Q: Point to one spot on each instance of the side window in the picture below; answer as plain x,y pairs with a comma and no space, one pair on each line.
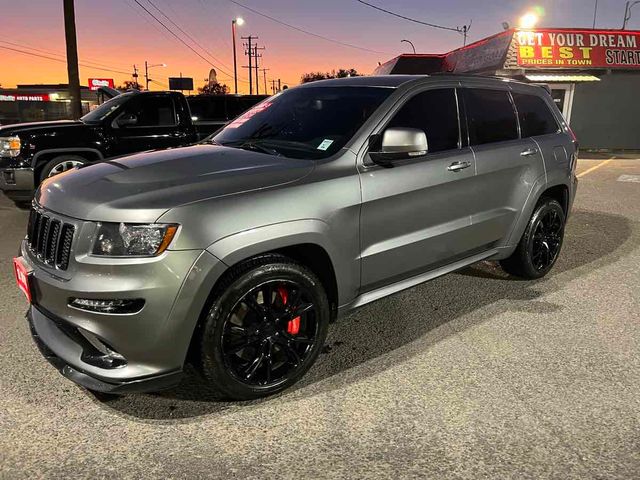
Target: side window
153,110
436,113
490,116
535,116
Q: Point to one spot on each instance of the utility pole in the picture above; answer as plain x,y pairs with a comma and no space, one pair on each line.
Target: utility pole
279,85
72,58
595,14
136,85
256,57
264,73
249,52
146,75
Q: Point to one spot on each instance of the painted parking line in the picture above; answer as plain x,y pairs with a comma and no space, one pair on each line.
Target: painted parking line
595,167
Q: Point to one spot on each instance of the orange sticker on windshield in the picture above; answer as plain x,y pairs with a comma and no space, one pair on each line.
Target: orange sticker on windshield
246,116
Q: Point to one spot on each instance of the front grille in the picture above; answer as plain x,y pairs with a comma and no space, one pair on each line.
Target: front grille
49,239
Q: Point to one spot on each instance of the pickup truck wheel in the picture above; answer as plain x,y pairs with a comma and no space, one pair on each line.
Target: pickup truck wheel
265,328
61,164
540,244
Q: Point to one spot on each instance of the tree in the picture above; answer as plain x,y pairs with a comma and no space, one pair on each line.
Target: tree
341,73
214,89
129,85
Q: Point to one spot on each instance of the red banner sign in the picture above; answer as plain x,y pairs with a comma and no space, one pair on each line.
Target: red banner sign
24,97
563,48
96,83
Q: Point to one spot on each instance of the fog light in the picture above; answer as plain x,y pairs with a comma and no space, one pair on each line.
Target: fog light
115,306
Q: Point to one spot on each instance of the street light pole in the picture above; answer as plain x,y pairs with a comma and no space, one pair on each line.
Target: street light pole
410,43
146,71
235,21
627,12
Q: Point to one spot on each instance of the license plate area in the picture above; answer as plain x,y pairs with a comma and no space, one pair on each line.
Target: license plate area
23,273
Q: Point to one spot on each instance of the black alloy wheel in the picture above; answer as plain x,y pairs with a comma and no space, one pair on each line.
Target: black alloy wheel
540,244
547,239
269,333
267,323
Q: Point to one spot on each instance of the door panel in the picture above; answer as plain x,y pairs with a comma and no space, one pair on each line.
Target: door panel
157,127
506,173
414,216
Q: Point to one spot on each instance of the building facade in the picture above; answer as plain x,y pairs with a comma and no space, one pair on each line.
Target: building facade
34,103
594,75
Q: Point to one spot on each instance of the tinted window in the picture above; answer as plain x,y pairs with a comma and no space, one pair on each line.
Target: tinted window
304,122
436,113
535,116
490,116
152,110
208,108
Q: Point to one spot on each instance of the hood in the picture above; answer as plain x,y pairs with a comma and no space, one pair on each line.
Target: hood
141,187
37,127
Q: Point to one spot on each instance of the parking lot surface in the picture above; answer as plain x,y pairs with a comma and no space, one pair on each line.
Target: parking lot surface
473,375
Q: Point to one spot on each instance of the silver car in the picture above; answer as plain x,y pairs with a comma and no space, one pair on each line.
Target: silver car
236,254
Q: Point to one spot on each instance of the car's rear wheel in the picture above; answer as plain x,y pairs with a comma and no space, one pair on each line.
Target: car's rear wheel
540,244
265,329
61,164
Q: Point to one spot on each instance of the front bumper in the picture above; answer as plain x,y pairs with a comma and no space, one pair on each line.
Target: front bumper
17,183
45,331
154,341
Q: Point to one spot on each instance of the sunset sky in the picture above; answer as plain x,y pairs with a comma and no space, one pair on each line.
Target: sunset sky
118,33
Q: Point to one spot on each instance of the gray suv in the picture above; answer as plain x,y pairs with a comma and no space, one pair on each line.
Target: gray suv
236,254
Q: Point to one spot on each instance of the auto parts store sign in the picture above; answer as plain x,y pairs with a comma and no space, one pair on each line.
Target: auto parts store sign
559,48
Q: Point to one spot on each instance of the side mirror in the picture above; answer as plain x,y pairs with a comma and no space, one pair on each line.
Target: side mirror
397,144
127,120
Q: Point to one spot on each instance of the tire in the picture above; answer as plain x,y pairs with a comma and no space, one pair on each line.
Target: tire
61,163
540,244
249,347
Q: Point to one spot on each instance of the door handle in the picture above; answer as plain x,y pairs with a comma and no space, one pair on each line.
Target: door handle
528,152
457,166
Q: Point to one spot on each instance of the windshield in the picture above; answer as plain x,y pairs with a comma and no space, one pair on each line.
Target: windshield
310,122
100,113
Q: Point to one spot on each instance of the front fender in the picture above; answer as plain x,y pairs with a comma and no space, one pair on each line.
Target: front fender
249,243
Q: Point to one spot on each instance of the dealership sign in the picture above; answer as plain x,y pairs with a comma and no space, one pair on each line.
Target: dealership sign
96,83
562,48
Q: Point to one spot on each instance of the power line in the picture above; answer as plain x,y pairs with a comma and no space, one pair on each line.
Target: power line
186,34
180,39
433,25
63,61
50,52
306,32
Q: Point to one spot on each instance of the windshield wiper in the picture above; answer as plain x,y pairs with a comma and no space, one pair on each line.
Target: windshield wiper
255,146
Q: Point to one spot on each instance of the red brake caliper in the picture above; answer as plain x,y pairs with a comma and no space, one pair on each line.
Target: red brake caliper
293,327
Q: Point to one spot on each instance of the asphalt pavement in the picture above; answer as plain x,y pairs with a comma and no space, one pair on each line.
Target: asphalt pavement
473,375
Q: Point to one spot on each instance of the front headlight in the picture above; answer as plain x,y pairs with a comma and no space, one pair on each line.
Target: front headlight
132,240
10,146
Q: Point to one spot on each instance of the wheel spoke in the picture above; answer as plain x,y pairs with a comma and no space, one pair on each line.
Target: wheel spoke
250,371
269,362
237,348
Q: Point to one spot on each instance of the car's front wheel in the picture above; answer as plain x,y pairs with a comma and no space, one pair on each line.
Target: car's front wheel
61,164
540,244
265,329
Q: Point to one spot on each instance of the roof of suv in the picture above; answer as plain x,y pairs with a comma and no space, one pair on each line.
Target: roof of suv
394,81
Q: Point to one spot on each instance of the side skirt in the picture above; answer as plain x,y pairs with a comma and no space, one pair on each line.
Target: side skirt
387,290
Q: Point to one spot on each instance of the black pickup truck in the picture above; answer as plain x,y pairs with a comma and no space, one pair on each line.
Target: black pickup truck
128,123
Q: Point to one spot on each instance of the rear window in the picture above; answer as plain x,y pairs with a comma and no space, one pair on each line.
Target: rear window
535,116
490,116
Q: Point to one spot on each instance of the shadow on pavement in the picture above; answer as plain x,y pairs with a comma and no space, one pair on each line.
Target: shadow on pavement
388,331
